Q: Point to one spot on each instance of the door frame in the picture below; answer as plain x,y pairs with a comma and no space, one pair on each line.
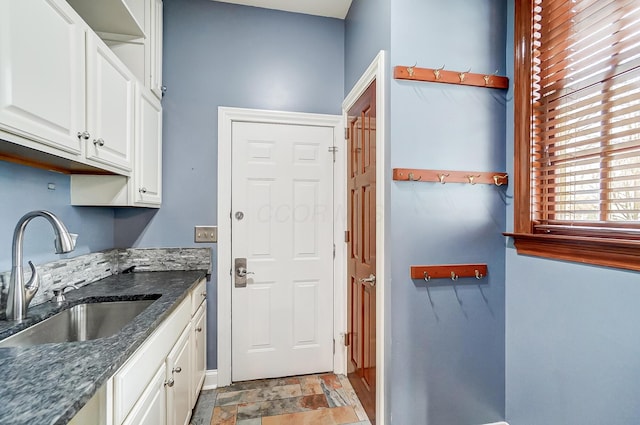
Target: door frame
377,70
226,117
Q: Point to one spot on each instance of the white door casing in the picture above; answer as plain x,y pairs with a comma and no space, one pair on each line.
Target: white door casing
282,209
301,333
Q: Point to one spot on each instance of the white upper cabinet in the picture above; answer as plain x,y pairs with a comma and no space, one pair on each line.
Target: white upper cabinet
110,17
147,188
77,103
110,107
155,42
42,75
143,56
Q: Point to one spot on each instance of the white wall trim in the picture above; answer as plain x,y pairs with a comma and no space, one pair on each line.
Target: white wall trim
226,117
377,71
210,380
497,423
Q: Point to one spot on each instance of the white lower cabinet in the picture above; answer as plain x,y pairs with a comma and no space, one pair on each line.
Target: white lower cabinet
199,343
178,375
152,406
160,382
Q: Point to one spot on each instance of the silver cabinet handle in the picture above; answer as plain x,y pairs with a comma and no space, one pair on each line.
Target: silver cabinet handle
169,383
198,329
84,135
98,142
143,190
177,369
242,272
204,295
371,280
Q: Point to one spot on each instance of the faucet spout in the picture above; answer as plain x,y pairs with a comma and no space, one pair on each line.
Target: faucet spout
21,294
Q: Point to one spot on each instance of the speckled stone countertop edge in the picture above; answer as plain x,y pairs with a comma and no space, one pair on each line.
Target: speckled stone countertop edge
49,384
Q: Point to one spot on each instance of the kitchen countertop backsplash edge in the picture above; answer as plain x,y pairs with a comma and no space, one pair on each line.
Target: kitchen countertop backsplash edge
88,268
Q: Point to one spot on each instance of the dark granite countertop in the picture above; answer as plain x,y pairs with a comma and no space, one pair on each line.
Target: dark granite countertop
49,383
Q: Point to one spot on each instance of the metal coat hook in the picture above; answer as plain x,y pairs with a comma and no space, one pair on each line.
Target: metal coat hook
496,180
427,278
454,276
436,72
441,177
479,275
463,75
472,178
411,69
488,77
412,178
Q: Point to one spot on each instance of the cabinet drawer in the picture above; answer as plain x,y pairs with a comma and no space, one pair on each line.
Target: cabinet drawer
198,295
132,378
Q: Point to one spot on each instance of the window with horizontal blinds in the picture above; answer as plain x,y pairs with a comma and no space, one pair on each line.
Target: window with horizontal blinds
577,108
585,98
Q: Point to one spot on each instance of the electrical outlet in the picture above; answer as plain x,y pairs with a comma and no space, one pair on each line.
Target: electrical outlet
206,234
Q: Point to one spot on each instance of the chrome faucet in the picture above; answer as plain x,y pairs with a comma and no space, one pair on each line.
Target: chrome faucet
21,294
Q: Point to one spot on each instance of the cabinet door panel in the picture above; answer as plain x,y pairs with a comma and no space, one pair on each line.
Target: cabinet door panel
179,369
110,103
199,347
42,77
156,47
152,406
148,171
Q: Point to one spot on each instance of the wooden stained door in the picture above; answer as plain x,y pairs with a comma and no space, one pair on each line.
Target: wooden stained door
362,248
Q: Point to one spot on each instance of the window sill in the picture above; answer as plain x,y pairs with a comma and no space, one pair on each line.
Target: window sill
616,253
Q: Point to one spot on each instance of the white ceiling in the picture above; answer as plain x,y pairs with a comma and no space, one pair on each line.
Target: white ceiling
330,8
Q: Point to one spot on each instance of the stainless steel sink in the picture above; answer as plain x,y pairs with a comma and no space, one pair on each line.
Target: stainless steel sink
82,322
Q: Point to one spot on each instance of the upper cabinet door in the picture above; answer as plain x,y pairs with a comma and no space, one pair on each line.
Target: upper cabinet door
42,74
148,170
110,107
156,47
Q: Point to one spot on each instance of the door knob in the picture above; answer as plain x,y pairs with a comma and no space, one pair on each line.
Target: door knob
371,280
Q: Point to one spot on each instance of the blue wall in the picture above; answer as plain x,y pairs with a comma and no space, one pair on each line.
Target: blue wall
23,189
219,54
572,335
448,353
367,31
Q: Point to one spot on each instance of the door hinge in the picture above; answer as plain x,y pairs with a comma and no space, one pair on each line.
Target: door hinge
346,340
333,150
334,346
346,133
347,236
334,251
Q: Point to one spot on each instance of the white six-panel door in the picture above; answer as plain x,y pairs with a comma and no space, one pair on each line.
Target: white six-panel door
282,223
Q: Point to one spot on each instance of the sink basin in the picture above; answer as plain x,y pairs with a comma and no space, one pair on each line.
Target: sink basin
81,322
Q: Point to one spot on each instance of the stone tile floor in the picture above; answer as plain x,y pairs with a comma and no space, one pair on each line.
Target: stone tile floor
324,399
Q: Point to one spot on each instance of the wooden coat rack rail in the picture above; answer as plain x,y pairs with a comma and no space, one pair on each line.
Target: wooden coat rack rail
441,75
447,176
449,271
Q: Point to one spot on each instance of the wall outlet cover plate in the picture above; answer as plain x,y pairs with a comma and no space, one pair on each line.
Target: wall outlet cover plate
206,234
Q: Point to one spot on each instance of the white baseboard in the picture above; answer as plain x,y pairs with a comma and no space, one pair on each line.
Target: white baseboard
497,423
210,380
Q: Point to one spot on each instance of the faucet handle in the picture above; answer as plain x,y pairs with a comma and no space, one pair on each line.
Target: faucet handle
58,294
32,285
